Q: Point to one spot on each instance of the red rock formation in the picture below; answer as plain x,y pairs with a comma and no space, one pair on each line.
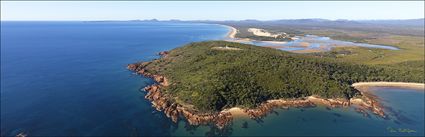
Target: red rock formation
173,110
267,107
163,53
132,67
362,111
372,104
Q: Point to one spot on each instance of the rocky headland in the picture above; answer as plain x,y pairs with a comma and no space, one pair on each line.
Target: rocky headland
175,111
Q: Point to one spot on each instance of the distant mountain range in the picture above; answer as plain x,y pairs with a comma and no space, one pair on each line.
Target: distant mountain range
399,27
314,21
409,22
325,22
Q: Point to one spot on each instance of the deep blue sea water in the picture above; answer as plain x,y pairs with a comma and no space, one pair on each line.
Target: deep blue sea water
70,78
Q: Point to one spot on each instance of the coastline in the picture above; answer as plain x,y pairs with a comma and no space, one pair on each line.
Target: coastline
361,105
390,84
365,104
168,104
231,36
232,33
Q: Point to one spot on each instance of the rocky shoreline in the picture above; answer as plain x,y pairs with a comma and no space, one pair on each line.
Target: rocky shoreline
368,102
371,104
175,111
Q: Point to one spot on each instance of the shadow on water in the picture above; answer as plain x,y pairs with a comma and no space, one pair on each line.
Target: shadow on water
399,116
227,131
212,130
337,114
275,112
259,121
245,124
328,108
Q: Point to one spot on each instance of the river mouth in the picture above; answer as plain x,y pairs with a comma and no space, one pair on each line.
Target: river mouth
311,43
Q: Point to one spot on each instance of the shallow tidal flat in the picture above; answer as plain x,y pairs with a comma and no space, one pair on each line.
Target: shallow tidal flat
312,43
304,44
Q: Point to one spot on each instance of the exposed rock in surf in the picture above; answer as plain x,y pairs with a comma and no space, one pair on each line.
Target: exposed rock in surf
163,53
266,108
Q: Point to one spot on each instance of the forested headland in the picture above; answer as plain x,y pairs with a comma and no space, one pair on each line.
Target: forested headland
212,79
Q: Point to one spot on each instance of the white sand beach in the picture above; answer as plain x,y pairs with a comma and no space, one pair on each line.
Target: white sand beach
236,111
391,84
232,32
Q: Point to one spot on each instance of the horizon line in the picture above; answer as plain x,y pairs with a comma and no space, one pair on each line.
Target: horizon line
221,20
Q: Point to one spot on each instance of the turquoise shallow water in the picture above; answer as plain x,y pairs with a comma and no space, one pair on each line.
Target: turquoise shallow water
405,107
70,78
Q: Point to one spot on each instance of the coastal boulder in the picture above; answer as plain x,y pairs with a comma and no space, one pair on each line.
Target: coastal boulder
132,67
163,53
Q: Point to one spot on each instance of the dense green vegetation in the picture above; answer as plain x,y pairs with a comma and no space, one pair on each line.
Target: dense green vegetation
212,79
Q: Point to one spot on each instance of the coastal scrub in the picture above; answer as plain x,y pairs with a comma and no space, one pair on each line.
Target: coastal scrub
201,79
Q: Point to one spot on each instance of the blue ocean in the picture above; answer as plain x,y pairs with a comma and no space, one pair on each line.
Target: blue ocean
70,79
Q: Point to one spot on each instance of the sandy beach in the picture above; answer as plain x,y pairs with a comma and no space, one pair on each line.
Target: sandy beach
374,106
232,35
240,112
391,84
232,32
282,103
236,111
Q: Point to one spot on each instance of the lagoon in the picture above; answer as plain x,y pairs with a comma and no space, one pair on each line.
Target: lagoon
314,43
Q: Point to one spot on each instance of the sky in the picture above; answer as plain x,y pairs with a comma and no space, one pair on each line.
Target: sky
218,10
